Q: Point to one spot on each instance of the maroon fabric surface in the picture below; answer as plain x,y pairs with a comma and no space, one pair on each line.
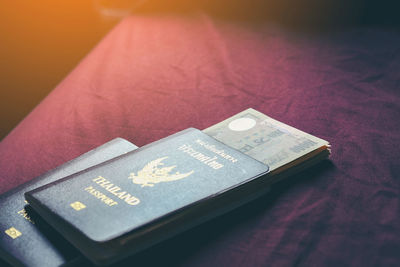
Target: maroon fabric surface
155,75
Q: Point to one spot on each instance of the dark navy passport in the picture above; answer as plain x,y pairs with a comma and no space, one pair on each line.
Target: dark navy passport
138,199
23,241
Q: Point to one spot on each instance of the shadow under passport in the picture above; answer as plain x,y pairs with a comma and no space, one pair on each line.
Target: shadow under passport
175,251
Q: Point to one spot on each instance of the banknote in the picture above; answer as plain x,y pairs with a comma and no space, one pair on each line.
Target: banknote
265,139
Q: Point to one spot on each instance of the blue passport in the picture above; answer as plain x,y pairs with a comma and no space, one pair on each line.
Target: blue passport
133,201
26,242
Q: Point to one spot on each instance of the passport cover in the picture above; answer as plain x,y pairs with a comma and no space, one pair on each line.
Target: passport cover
129,203
22,241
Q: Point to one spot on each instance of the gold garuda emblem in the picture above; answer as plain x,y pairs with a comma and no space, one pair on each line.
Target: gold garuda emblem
152,174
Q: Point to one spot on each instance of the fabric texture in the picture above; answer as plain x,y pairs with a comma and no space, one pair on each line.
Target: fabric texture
155,75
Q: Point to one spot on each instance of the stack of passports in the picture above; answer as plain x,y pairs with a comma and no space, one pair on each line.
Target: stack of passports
133,201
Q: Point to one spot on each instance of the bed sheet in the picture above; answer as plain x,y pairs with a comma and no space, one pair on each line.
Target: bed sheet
152,76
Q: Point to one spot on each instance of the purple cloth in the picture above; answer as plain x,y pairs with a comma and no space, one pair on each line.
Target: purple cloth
155,75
